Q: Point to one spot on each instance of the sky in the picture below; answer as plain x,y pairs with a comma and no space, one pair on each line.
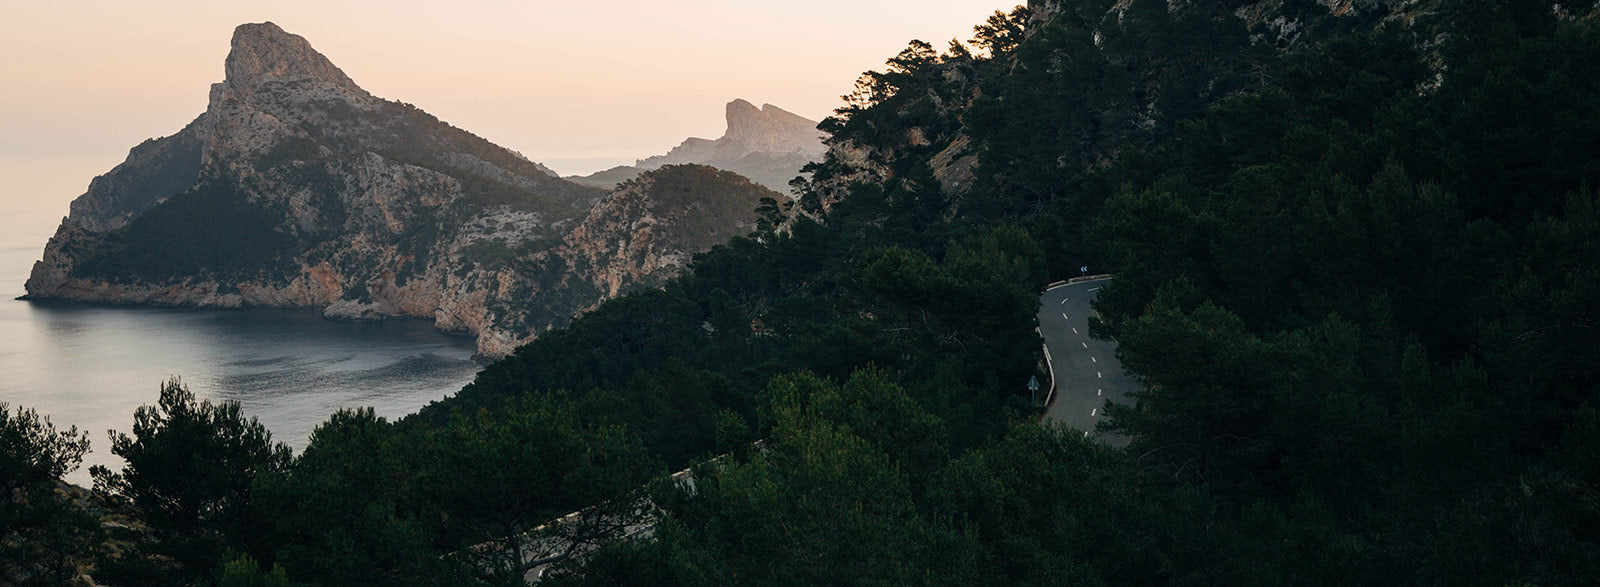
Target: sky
579,86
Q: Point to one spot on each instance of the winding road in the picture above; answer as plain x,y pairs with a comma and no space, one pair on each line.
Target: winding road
1085,369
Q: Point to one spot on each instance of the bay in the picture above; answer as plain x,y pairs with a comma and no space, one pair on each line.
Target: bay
91,366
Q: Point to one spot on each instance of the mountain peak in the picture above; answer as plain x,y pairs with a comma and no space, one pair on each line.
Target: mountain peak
741,113
263,52
794,122
767,144
769,129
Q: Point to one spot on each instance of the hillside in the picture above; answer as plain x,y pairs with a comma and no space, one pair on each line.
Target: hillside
298,189
1354,249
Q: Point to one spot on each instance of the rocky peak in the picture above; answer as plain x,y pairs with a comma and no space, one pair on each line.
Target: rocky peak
769,129
768,145
744,120
791,121
263,53
298,189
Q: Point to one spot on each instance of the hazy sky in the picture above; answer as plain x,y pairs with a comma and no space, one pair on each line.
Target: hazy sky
576,85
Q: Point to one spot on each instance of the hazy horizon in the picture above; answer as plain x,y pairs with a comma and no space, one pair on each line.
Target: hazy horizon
578,88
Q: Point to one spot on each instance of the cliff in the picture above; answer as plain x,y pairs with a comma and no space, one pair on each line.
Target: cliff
298,189
647,230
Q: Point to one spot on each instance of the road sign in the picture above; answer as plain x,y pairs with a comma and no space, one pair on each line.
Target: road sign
1033,383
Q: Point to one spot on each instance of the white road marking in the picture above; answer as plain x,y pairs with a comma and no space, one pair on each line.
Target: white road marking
1099,391
1085,433
1074,331
1085,344
1092,360
1098,375
1094,412
1064,317
1063,300
1094,289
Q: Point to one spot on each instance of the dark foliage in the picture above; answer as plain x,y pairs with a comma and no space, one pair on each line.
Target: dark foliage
46,536
210,231
1355,274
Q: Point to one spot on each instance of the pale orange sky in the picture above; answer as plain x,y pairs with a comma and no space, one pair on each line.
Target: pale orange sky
579,86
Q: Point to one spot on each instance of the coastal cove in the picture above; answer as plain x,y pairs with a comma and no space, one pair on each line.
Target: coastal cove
91,366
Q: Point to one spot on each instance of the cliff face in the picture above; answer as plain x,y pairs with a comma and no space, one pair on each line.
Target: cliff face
768,145
766,130
298,189
647,230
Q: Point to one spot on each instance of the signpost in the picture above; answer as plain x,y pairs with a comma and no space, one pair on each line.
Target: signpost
1033,387
1084,270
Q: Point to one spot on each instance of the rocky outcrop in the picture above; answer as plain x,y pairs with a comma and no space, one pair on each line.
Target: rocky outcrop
766,130
298,189
954,165
646,231
639,235
768,145
155,169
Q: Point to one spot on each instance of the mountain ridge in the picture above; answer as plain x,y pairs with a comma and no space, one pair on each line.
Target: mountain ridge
298,189
767,144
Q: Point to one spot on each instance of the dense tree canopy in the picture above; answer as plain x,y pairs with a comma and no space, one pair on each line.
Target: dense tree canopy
1355,275
44,535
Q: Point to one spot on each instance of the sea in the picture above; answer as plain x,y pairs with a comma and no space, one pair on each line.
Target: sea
91,366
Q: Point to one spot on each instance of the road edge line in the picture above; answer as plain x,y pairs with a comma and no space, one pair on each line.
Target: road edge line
1049,397
1077,280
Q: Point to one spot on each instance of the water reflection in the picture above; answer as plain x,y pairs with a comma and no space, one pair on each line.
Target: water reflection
91,366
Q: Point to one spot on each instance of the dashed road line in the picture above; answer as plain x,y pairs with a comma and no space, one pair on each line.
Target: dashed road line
1085,344
1094,412
1092,360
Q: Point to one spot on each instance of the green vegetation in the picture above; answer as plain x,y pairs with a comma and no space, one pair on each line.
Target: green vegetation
489,254
704,202
45,537
212,231
420,137
188,475
1356,275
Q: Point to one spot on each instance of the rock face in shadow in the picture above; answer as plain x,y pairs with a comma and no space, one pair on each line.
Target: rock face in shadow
646,231
298,189
768,145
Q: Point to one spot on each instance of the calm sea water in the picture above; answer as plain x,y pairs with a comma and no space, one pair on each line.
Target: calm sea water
91,366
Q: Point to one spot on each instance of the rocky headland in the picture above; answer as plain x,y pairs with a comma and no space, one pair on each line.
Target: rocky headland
298,189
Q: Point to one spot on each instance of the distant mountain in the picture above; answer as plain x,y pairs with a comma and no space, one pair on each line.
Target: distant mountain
298,189
768,145
607,179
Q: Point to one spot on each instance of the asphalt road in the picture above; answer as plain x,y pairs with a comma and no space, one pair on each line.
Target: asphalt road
1086,370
